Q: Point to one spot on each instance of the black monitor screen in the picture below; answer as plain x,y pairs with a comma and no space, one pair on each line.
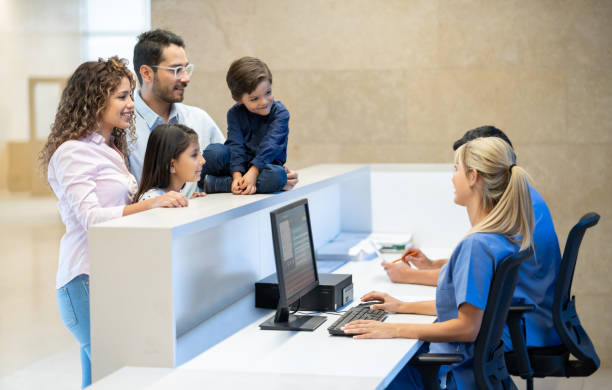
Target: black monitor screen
293,249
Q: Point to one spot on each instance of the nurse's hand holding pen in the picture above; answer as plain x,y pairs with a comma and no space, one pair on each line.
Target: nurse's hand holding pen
417,258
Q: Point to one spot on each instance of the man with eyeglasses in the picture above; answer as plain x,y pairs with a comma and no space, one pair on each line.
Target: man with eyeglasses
163,71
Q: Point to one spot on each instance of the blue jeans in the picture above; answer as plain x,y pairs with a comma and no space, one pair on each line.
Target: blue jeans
271,178
73,303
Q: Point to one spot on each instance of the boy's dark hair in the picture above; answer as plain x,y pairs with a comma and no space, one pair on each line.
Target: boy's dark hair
479,132
245,74
151,44
166,142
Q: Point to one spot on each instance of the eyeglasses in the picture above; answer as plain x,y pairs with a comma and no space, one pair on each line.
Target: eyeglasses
179,71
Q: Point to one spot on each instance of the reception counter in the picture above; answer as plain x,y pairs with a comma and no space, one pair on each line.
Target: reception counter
168,284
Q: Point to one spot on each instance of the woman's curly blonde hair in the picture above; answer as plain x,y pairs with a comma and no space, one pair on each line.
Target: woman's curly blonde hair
83,103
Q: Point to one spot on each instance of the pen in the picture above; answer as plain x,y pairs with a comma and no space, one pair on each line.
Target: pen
401,258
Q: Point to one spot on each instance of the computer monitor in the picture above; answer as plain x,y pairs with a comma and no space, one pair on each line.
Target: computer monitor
296,268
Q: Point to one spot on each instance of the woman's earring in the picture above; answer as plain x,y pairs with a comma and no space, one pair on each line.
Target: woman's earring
172,170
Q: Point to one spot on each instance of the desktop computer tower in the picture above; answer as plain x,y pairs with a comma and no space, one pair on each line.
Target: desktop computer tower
333,292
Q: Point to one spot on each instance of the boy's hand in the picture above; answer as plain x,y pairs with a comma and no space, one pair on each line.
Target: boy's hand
292,179
237,183
249,190
249,181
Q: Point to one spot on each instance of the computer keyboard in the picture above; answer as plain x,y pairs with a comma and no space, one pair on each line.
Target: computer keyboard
353,314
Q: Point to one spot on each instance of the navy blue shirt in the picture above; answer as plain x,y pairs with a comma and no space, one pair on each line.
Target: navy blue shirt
255,139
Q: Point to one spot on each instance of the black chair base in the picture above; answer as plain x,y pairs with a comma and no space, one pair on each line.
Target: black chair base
555,361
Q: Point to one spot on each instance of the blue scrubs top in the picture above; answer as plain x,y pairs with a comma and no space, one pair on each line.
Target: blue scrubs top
467,278
537,277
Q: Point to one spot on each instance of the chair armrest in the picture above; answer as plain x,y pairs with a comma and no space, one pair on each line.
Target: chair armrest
520,364
428,365
437,359
520,309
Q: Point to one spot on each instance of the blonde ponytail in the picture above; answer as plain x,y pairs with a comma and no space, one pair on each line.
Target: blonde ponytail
505,191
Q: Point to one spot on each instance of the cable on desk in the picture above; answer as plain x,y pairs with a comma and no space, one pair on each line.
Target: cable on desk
297,306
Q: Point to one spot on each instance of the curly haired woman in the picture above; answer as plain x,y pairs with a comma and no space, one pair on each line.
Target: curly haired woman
84,160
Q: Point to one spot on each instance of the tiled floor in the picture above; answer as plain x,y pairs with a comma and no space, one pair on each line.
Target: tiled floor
36,351
35,346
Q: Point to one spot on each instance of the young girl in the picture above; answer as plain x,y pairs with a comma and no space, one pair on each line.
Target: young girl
172,158
84,161
496,194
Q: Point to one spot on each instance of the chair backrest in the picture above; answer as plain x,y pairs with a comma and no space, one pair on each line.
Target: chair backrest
565,317
489,364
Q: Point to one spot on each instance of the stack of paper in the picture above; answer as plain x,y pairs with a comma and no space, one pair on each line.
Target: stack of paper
391,242
363,246
348,246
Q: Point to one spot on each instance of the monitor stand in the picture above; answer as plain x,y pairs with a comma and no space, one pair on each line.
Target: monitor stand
282,320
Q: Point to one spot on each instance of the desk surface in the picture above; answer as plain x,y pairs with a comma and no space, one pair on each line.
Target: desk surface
252,350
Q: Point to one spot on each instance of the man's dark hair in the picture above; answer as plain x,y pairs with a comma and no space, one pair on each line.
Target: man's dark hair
479,132
151,44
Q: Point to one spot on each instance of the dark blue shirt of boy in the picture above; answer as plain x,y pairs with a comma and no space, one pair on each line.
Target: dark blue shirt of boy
255,139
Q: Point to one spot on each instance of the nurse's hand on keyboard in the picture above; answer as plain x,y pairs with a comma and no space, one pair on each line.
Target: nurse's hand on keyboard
388,302
368,329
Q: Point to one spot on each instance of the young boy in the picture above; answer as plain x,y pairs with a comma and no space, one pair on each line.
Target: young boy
252,158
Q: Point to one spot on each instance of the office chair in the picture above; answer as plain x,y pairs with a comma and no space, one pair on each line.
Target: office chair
489,366
555,361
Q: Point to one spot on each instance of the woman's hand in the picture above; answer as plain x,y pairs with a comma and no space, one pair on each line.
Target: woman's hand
419,259
388,302
170,199
400,272
368,329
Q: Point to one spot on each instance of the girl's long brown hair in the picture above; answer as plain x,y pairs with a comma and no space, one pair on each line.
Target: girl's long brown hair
82,104
166,143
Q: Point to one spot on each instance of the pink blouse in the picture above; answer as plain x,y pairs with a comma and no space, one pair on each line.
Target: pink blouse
92,185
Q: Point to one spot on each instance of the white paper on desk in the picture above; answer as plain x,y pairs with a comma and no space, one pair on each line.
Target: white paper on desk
348,246
391,238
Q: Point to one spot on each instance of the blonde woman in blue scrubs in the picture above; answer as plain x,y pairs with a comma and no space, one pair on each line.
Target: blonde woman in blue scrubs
495,192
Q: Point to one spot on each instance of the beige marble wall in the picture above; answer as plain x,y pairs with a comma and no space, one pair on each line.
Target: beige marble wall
399,81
